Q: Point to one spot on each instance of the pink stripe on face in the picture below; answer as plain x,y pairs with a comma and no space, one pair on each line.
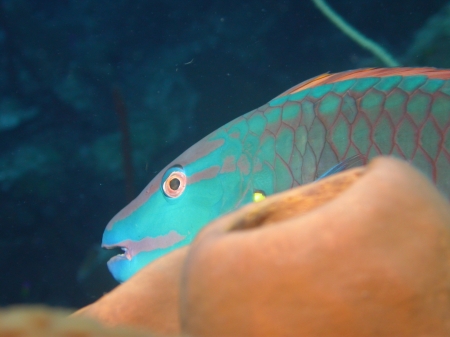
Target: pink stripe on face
195,152
199,150
229,165
147,244
209,173
244,164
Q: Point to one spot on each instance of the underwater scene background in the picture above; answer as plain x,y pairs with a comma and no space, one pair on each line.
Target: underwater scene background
75,75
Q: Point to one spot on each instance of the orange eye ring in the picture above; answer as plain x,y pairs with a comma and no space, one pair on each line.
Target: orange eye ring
175,184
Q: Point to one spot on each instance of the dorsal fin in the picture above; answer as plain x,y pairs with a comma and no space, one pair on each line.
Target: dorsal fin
327,78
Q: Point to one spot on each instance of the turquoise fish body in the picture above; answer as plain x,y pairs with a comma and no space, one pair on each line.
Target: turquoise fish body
290,141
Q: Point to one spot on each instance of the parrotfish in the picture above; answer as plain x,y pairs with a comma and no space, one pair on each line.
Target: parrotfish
309,131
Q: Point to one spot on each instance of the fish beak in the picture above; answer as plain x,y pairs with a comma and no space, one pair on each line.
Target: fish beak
126,252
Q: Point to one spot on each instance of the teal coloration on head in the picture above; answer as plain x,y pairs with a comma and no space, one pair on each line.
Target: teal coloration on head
159,221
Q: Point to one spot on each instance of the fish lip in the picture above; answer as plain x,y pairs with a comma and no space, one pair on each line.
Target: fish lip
131,248
127,253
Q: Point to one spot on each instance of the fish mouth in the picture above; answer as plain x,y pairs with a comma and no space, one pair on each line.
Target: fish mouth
125,255
127,249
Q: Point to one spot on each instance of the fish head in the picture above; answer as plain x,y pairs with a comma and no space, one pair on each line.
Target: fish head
169,212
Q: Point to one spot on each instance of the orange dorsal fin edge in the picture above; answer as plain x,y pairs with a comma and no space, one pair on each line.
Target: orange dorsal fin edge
327,78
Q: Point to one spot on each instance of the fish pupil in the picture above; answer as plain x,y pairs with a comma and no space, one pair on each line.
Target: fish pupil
174,184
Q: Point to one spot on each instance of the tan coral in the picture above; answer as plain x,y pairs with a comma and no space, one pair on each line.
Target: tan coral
148,300
39,321
363,253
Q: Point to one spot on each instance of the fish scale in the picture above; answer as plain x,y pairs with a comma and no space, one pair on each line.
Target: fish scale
311,130
407,116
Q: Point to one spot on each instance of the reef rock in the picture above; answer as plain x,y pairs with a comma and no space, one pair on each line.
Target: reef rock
39,321
148,300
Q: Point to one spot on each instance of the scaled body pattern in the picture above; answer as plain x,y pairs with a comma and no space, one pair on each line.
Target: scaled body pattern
290,141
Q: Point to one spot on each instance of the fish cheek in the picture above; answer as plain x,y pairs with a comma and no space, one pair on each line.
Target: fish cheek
204,199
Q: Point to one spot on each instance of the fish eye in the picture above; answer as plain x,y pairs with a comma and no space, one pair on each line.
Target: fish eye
174,182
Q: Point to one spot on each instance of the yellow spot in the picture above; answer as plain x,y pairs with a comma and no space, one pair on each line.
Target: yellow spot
258,196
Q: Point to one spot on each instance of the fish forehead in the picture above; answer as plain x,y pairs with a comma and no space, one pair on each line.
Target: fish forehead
194,154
